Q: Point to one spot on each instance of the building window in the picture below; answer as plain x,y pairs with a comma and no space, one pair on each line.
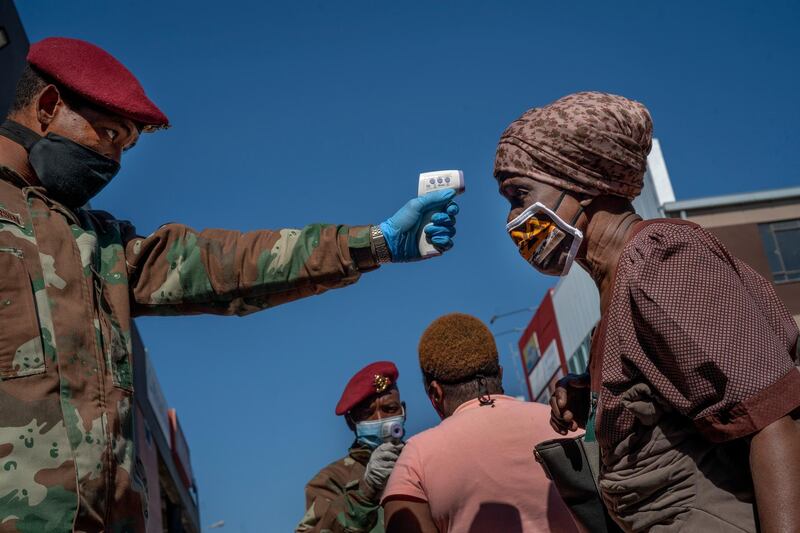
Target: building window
782,244
579,359
544,397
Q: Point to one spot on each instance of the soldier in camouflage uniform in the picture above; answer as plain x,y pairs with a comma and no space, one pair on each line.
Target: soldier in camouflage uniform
71,280
344,497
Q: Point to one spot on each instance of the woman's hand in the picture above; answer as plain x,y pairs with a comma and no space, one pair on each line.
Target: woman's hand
569,404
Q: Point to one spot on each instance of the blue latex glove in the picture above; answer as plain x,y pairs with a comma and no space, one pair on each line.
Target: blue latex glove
401,230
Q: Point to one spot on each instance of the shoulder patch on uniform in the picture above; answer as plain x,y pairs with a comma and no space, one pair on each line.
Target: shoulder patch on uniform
8,216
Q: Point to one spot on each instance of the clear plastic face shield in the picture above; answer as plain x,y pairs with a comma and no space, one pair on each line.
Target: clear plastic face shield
546,241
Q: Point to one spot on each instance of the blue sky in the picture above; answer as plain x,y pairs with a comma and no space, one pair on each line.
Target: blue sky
285,114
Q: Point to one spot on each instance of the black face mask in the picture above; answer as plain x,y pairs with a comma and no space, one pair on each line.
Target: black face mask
70,172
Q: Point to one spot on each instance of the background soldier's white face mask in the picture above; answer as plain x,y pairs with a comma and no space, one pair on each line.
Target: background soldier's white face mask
373,433
545,240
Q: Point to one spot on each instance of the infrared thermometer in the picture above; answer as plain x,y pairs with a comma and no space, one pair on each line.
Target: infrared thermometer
433,181
392,432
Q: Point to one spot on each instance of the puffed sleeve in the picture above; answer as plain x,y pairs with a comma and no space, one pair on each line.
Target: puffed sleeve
716,351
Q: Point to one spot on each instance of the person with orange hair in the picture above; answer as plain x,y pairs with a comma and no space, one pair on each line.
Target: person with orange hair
474,471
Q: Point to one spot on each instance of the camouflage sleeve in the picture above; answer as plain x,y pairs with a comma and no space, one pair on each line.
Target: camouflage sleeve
178,270
336,508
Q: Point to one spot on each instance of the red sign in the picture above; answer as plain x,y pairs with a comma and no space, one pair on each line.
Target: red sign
541,351
180,449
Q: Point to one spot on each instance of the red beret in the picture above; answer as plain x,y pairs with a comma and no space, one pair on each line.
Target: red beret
371,380
95,75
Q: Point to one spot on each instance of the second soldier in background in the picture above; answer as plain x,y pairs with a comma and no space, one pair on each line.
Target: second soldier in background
345,495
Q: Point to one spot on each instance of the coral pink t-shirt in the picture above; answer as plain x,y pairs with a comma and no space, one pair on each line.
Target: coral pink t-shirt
477,472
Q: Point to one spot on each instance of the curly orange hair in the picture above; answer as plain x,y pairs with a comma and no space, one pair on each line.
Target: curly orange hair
457,347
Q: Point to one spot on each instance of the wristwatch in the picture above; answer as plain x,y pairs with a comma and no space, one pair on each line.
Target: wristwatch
379,248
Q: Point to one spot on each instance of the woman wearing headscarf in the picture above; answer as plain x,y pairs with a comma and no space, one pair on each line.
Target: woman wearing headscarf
693,389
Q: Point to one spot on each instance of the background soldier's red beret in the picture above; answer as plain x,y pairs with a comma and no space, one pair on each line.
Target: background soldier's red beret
95,75
371,380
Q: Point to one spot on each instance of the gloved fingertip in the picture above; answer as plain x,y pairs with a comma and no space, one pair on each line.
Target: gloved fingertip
449,193
443,231
435,229
453,209
437,197
442,219
442,242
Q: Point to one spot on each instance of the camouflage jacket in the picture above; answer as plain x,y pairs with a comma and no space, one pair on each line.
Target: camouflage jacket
334,503
70,282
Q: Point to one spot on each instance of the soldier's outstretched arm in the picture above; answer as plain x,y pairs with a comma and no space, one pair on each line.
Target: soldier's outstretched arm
178,270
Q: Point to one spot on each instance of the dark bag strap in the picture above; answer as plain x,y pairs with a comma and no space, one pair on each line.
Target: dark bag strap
19,134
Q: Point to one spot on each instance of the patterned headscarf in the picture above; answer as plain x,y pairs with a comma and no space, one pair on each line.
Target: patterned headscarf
590,143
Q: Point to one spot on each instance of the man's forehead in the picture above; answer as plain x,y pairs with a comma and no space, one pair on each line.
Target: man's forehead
95,114
392,393
125,122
